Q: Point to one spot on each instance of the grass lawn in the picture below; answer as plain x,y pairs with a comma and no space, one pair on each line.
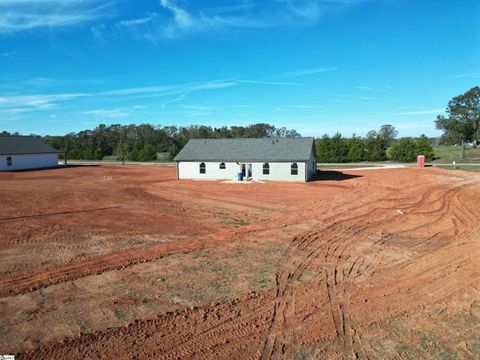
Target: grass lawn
161,157
448,154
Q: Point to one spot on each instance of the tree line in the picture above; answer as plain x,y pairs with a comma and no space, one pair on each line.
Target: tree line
376,146
143,142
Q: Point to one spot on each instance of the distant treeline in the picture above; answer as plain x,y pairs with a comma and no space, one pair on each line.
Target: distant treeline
376,146
143,142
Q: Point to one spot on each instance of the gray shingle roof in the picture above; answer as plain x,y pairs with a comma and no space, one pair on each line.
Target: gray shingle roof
24,145
268,149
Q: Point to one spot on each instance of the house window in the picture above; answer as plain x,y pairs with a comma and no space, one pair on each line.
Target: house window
9,161
294,169
222,165
266,169
202,168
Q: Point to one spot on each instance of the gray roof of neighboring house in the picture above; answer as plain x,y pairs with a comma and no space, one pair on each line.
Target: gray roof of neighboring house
265,149
11,145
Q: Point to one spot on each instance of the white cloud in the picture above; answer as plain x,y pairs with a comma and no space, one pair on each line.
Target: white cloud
49,101
22,15
364,88
201,108
15,110
8,53
109,114
421,112
261,82
38,101
181,17
40,81
175,18
352,97
165,90
303,72
465,75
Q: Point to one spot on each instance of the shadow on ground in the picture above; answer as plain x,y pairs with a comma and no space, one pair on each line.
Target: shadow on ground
331,175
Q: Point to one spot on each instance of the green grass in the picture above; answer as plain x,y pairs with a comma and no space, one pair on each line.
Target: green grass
448,154
475,346
163,156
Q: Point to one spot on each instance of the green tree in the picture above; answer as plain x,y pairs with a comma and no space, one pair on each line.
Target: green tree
147,153
97,154
388,133
375,147
462,122
356,149
238,132
260,130
404,150
423,147
122,151
323,149
338,149
173,151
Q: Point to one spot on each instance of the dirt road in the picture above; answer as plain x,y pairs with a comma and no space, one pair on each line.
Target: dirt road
127,262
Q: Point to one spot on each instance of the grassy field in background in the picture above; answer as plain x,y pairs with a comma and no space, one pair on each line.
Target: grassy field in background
448,154
161,157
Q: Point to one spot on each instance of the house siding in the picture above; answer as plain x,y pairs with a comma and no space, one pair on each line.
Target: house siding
191,170
28,161
279,171
311,166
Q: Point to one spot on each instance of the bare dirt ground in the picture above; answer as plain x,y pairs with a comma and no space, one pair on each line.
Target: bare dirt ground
127,262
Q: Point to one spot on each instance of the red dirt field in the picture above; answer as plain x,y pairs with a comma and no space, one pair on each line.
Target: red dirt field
127,262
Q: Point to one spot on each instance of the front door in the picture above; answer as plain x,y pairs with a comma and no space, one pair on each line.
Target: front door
249,170
244,172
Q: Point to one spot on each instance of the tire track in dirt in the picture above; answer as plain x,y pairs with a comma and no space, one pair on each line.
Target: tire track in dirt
326,247
36,216
346,329
22,282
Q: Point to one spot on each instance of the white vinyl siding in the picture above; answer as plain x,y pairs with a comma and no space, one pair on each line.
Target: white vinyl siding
311,166
191,170
279,171
28,161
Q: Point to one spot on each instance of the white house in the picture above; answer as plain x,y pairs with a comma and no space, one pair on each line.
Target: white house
26,152
281,159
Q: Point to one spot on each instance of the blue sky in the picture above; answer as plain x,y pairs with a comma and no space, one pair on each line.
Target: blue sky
318,66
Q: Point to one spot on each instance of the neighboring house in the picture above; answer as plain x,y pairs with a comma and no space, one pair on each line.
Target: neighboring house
26,152
281,159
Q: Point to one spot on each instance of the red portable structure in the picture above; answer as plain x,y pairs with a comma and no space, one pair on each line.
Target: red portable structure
421,161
